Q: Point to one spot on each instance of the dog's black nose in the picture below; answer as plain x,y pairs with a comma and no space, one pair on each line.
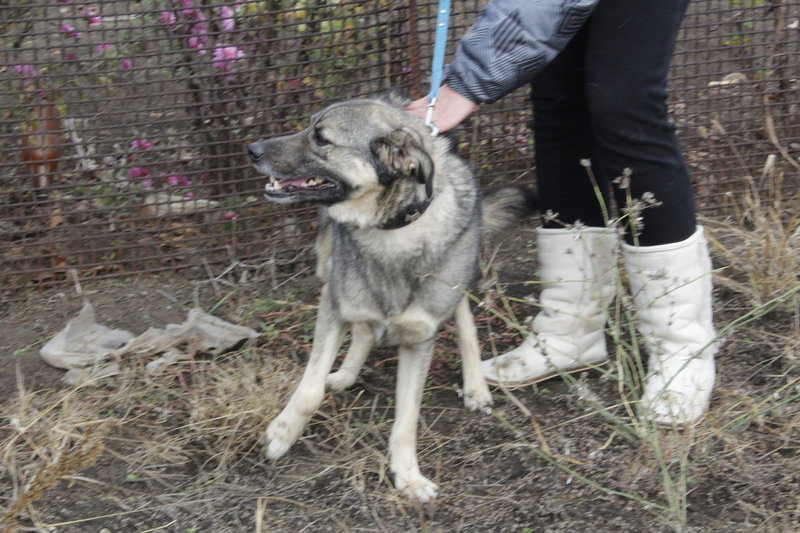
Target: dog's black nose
255,152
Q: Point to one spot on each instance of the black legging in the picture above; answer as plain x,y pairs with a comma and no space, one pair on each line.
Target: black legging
603,98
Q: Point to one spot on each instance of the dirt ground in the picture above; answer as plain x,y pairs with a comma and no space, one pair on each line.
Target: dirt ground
560,457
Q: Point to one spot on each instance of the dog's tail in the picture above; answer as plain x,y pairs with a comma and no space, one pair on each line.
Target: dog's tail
507,205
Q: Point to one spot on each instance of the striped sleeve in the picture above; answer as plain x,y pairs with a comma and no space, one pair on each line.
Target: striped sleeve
510,42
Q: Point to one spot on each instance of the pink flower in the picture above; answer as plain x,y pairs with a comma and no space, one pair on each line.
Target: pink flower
178,181
225,57
69,30
100,48
227,14
91,16
168,17
138,172
199,44
141,144
147,183
26,71
197,15
126,64
191,195
198,30
230,216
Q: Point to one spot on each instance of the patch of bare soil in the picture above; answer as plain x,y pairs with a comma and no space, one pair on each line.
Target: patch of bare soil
181,450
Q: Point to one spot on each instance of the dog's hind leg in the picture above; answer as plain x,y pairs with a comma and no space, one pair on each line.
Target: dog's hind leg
476,391
361,341
412,371
287,426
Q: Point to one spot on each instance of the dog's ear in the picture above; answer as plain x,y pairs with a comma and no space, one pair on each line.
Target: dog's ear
402,155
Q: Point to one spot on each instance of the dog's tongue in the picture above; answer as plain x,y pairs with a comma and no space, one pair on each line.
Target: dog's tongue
299,182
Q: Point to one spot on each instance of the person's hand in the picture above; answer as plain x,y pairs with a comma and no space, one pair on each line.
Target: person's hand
451,108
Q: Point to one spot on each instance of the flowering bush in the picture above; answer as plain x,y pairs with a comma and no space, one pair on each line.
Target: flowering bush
222,63
157,99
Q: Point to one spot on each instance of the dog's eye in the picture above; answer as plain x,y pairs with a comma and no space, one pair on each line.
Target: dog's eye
319,139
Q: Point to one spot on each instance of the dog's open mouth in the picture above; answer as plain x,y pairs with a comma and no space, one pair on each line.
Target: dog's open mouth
302,189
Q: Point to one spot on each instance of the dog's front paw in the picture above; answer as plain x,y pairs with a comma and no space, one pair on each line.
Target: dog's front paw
478,399
280,436
416,487
340,380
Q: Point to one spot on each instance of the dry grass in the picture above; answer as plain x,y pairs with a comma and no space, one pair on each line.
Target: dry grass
47,446
760,249
190,439
181,451
216,409
762,243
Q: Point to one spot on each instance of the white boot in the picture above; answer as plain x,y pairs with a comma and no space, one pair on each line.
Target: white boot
671,287
578,274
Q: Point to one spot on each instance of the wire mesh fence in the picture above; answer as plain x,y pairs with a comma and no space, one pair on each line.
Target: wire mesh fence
124,122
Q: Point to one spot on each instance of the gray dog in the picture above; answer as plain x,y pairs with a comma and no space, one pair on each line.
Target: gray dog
399,236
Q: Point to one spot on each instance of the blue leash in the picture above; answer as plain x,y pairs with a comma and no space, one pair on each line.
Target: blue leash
437,70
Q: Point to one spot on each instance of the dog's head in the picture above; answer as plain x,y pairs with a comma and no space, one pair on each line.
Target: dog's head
352,151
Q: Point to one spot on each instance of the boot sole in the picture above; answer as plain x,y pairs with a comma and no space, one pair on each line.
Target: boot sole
519,384
552,375
679,427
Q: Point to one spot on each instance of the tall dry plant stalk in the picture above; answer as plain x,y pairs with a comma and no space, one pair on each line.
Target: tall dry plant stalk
73,456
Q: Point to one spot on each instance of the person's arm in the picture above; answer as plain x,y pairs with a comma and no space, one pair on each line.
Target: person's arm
509,43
